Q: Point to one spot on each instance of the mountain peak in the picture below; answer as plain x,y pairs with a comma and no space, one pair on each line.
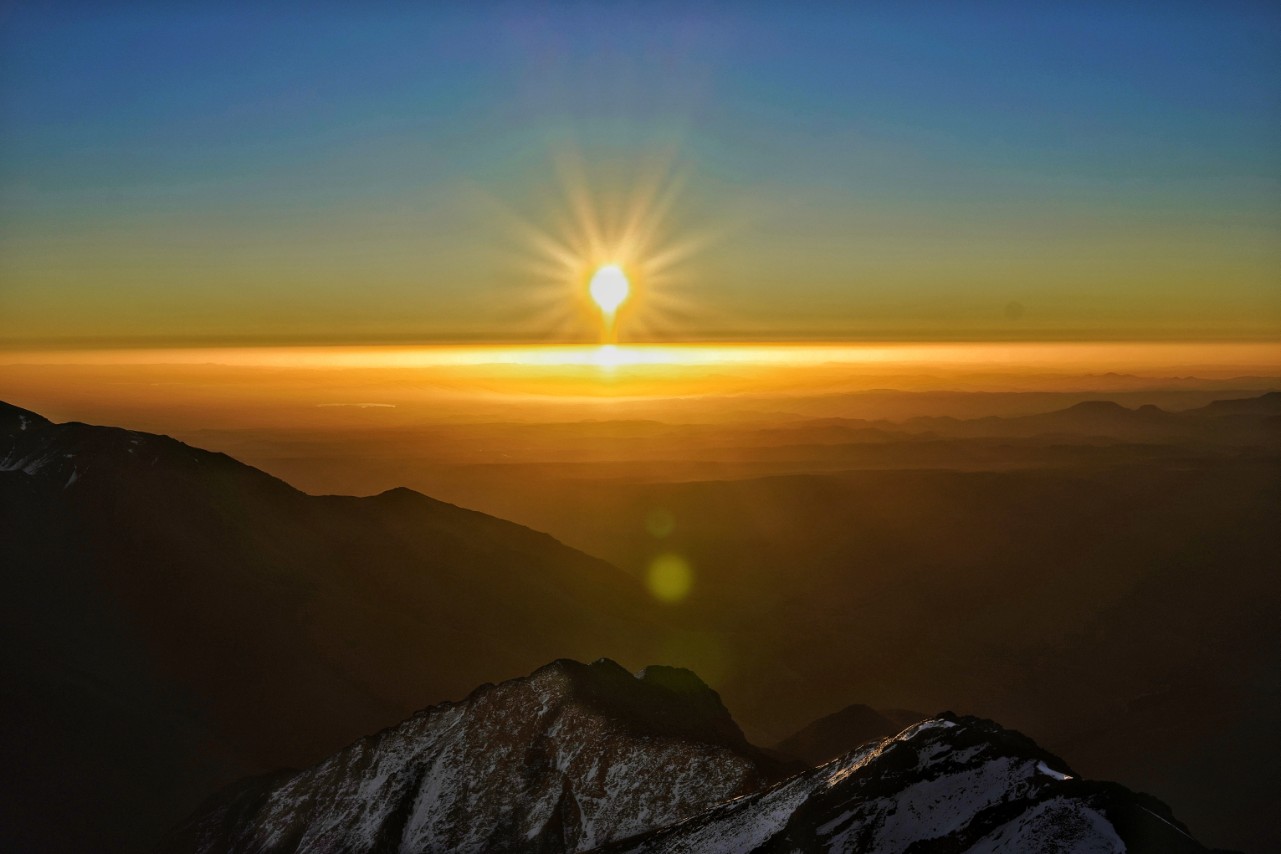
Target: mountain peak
678,680
1097,406
565,759
73,453
840,732
949,783
527,765
657,701
16,419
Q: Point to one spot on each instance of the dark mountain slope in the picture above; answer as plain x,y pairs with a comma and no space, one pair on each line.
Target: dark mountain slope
173,618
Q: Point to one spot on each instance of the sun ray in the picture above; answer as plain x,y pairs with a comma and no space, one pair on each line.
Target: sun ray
597,213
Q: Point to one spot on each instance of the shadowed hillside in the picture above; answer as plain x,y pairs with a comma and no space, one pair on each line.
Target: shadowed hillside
174,618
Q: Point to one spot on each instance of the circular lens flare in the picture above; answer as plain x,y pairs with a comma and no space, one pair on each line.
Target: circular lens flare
669,578
609,288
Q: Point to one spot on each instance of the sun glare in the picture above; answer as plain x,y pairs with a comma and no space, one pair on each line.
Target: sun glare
607,246
609,288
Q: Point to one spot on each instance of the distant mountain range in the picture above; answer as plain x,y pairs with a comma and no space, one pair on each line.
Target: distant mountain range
1246,421
579,758
1253,420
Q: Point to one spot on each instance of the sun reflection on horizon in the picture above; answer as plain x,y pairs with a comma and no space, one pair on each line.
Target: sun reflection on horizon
1010,357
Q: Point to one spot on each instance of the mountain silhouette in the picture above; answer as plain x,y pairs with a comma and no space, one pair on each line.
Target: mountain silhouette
174,619
840,732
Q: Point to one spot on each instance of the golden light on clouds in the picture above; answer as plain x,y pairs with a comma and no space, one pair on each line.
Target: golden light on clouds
1212,358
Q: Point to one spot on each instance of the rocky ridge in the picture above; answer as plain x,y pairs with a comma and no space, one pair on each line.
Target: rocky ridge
567,759
578,758
947,784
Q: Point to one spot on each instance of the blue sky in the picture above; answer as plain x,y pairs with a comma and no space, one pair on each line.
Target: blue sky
867,170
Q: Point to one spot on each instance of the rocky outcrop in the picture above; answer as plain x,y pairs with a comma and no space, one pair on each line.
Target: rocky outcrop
581,758
567,759
948,784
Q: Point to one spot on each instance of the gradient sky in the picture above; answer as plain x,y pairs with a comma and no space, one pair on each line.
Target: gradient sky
221,172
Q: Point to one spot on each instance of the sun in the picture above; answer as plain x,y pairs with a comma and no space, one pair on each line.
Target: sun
609,248
609,288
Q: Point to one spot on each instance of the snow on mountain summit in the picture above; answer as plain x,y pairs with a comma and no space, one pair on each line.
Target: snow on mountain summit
566,759
577,758
64,454
947,784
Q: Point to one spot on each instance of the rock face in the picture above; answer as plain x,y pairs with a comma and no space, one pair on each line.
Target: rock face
590,758
567,759
945,785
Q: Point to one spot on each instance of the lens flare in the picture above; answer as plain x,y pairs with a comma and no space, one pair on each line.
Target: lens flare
669,578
